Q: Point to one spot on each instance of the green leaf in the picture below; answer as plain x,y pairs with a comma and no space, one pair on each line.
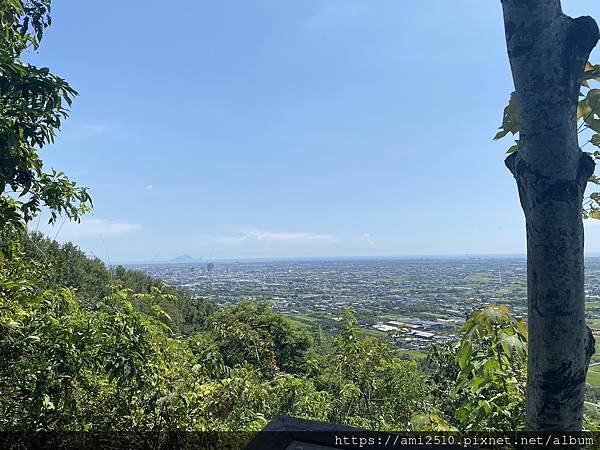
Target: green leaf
47,403
476,383
486,406
510,122
464,354
594,179
495,314
513,148
583,109
512,344
522,328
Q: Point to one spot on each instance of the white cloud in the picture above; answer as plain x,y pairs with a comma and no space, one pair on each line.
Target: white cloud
366,237
91,227
274,237
149,187
95,127
282,236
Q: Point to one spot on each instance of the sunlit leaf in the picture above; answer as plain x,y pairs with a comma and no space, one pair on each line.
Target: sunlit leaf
510,123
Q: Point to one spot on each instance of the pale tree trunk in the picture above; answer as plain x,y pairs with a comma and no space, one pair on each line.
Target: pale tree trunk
548,51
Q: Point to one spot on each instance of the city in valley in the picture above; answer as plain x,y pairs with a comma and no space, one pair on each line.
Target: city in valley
412,302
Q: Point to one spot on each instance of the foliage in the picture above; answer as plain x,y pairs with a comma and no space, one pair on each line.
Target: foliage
252,333
64,366
65,265
429,422
588,117
68,266
33,103
371,385
443,370
246,401
61,363
492,360
111,365
119,363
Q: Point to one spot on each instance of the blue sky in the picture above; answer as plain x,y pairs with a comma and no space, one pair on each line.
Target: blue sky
263,128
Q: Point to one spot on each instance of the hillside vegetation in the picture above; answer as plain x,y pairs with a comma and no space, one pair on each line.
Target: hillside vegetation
83,347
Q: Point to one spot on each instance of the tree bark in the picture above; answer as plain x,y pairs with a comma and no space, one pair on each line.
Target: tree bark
547,52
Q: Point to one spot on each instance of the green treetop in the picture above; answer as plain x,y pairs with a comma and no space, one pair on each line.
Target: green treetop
33,103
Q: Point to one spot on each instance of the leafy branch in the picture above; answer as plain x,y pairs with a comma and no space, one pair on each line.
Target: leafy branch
588,117
33,104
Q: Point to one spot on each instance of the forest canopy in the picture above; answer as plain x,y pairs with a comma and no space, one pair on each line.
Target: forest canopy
94,348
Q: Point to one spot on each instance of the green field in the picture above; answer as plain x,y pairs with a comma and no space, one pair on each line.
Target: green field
593,376
387,317
596,356
372,332
479,278
414,354
399,278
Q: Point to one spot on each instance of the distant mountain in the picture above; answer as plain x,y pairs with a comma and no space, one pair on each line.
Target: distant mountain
184,259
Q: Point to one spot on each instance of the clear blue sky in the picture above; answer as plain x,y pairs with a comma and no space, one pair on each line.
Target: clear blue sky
270,128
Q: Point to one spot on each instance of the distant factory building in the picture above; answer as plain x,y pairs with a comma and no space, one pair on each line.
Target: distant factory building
423,334
384,328
447,321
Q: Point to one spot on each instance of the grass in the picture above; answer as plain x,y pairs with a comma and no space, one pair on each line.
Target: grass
304,321
399,278
303,318
300,323
387,317
596,356
414,354
593,376
372,332
479,278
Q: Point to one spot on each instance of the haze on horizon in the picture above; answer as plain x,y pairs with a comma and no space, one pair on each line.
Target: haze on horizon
287,129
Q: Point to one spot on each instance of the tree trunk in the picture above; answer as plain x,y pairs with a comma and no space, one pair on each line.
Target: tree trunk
548,51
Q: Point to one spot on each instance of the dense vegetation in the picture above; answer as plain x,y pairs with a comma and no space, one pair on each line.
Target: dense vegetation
83,347
67,266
